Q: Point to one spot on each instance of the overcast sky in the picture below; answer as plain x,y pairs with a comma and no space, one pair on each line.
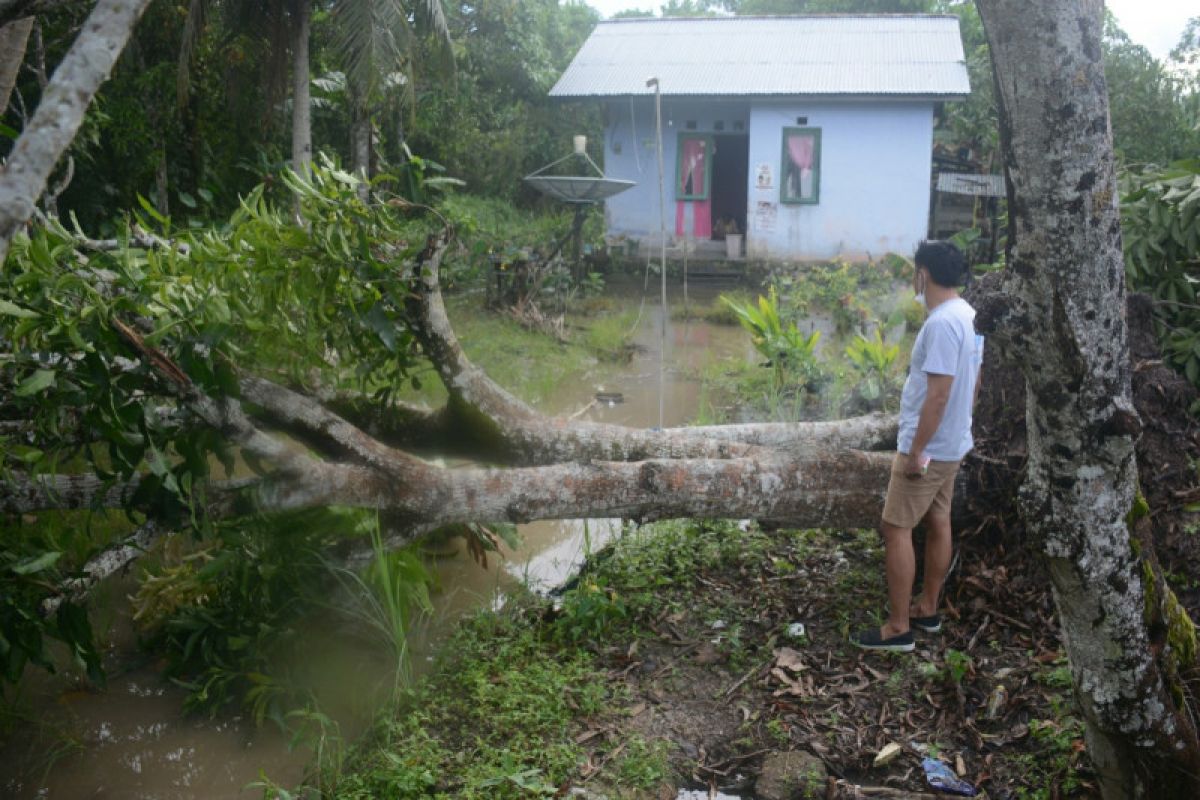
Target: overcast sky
1156,24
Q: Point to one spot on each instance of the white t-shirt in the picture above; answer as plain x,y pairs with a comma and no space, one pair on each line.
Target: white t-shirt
946,345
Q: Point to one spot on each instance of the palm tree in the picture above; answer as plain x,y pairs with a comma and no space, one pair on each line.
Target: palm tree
377,40
284,26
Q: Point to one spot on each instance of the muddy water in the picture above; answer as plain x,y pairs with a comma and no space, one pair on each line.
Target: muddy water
131,741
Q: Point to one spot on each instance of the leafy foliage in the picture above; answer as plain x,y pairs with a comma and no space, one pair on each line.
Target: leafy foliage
790,352
263,294
875,364
494,720
226,623
1160,218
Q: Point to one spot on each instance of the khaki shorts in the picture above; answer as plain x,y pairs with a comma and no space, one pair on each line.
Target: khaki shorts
909,499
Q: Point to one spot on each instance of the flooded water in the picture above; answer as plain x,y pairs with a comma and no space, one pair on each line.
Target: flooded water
132,741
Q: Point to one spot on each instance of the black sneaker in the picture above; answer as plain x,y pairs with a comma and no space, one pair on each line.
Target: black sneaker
870,639
932,624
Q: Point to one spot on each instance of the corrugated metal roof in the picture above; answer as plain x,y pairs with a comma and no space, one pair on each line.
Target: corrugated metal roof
968,183
810,55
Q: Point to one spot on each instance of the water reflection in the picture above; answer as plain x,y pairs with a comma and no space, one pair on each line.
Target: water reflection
131,741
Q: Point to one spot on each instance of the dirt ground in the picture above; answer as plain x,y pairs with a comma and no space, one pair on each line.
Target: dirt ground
717,674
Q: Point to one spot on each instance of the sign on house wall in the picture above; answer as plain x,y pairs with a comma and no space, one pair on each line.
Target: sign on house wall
763,178
765,214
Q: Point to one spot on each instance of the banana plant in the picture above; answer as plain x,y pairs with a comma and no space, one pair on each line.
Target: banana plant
874,361
785,347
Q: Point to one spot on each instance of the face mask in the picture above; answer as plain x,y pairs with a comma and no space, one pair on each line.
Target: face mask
920,298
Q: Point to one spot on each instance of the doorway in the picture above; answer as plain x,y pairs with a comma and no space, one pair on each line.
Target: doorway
730,174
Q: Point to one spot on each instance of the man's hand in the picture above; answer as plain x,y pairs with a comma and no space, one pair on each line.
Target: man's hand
915,464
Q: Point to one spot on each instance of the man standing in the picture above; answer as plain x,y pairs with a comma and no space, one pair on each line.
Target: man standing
935,434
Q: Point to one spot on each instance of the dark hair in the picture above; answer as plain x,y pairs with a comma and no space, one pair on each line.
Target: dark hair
945,263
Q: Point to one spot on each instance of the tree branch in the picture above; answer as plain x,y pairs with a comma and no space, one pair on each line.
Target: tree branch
299,410
843,490
21,493
60,113
106,563
518,433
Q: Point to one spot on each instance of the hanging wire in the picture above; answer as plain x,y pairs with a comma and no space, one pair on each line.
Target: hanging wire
637,156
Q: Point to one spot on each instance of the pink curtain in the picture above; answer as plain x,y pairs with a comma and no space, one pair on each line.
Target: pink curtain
800,149
701,218
692,169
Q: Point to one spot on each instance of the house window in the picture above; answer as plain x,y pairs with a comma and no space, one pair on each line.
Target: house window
800,176
693,168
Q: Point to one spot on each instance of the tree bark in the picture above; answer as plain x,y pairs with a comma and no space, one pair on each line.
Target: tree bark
301,100
1062,314
13,39
60,113
162,197
360,144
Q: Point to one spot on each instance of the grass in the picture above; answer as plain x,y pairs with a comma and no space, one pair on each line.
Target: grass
610,336
717,311
529,364
496,719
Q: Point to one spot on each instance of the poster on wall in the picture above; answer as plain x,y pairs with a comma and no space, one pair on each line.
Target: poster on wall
763,177
764,216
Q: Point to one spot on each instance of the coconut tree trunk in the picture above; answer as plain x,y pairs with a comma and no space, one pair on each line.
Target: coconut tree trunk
1062,312
301,101
360,140
13,38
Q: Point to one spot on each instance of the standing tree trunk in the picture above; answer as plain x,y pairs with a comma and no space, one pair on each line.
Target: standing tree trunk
60,112
1062,312
13,38
360,144
162,197
301,101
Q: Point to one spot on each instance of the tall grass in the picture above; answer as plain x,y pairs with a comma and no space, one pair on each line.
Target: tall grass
386,598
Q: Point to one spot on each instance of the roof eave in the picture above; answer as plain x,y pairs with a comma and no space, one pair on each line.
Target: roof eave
922,96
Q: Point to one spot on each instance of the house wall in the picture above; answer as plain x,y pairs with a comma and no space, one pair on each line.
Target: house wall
629,154
876,163
875,167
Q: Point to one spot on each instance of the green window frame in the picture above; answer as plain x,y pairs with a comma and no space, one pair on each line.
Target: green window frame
709,149
790,174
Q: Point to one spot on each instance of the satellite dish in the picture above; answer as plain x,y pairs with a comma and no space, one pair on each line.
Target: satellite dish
580,189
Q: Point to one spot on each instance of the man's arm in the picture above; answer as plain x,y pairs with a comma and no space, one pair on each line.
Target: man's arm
936,396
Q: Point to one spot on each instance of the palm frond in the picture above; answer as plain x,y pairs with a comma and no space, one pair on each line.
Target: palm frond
431,19
373,38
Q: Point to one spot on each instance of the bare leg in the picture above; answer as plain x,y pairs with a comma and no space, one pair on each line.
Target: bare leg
937,562
901,567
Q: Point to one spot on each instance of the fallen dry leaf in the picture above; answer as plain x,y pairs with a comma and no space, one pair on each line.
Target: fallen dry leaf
789,659
887,754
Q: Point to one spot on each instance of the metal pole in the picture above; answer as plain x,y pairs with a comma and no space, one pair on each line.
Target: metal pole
662,241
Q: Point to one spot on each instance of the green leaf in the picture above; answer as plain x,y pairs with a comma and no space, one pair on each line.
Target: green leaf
28,455
38,381
149,208
37,563
14,310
